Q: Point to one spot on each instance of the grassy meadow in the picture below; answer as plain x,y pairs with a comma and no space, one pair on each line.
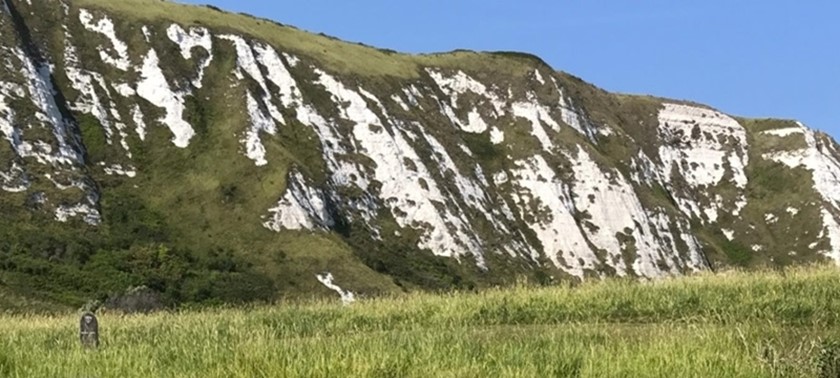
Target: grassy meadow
775,323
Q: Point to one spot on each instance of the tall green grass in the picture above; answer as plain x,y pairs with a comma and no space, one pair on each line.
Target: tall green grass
732,325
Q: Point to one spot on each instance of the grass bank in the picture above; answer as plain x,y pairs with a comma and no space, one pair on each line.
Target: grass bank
779,323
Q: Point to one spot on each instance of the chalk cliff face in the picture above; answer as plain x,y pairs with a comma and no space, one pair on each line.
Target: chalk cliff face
139,126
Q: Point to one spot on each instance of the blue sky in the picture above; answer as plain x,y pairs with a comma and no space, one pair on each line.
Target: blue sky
746,57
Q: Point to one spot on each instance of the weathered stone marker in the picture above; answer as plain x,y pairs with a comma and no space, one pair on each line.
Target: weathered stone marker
89,330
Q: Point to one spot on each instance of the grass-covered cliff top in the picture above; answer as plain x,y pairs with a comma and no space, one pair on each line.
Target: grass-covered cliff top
332,53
